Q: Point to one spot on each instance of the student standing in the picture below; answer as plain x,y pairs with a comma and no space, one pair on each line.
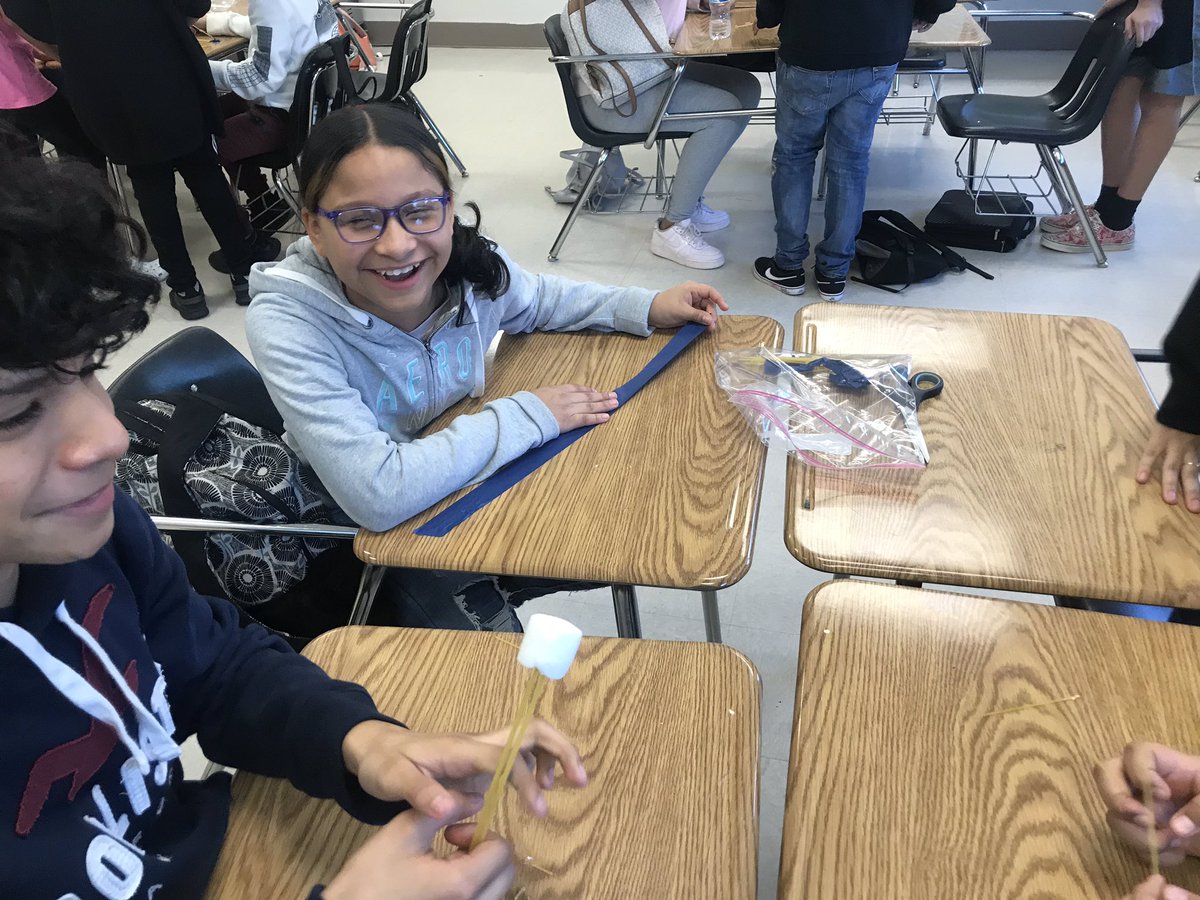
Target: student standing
836,63
1139,124
141,88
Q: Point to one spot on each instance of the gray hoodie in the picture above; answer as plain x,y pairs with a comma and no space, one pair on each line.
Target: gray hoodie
356,392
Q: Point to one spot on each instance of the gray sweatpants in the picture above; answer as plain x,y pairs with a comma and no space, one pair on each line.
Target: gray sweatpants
704,88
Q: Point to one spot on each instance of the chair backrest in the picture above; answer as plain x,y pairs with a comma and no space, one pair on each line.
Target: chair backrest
410,52
1083,92
557,42
197,359
317,93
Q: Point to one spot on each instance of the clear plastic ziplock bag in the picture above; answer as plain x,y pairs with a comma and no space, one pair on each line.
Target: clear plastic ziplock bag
845,412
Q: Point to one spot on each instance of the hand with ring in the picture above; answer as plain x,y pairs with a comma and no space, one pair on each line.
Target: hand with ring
1177,453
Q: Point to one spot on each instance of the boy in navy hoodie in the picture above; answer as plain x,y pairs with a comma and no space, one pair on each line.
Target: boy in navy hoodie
108,659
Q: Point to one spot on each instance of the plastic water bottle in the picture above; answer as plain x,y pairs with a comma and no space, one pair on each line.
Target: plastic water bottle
720,19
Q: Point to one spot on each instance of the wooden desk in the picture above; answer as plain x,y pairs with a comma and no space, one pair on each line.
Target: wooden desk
899,786
1029,487
955,29
668,731
664,494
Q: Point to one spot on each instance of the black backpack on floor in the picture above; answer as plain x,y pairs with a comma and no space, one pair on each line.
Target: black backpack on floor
1006,220
892,250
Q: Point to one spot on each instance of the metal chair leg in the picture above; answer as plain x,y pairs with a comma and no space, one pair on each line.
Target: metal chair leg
1060,191
712,616
118,186
823,178
584,193
1060,163
629,624
935,84
368,586
441,138
660,170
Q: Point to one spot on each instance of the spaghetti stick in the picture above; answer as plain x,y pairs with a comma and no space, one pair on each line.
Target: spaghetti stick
1151,827
547,651
1010,709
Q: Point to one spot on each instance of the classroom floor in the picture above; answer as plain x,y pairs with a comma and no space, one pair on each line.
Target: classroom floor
503,112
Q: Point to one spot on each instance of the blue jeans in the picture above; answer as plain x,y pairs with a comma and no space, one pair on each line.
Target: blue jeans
838,110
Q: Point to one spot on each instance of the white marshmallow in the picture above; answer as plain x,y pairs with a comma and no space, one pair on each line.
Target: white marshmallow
549,645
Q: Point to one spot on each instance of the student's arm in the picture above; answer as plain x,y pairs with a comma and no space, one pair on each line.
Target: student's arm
265,69
929,10
193,9
1181,407
376,481
549,303
769,13
253,702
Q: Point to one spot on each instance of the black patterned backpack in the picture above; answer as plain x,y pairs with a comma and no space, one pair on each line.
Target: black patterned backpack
193,456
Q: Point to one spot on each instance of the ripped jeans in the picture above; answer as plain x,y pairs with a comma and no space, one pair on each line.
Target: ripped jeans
464,601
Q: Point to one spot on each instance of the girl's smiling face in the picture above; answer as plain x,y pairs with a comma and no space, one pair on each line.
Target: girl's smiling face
392,277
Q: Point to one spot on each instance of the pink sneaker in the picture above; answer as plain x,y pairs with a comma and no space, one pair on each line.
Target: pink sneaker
1073,240
1065,222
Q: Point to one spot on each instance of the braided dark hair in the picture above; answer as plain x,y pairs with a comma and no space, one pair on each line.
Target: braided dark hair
68,288
473,257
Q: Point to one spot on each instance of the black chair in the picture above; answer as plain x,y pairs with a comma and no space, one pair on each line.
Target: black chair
317,95
1068,113
407,64
199,360
607,141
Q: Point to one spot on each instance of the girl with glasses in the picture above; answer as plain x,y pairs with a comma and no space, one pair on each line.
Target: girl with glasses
378,321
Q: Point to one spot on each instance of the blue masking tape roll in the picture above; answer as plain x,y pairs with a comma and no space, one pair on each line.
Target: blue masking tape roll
487,491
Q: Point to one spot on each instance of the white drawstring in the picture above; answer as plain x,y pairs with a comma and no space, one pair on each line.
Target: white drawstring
156,744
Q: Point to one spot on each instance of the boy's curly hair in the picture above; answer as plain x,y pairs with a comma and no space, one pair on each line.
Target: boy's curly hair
68,288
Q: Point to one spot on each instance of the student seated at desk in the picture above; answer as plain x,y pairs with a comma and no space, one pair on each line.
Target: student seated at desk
259,91
679,234
109,659
1174,778
378,322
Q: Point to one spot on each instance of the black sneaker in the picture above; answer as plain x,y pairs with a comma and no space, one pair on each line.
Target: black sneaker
189,302
831,289
241,289
266,249
788,281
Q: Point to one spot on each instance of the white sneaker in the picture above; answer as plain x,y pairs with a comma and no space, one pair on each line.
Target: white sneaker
707,219
150,267
683,244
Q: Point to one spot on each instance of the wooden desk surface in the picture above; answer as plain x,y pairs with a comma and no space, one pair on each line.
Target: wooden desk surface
1033,446
953,30
899,786
668,731
664,494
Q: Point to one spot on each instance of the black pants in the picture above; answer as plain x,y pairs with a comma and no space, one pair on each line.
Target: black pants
154,187
53,121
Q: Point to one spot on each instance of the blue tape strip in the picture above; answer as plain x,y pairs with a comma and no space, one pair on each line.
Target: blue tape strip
487,491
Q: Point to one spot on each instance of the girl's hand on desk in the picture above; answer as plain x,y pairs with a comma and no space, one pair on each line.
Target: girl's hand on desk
398,861
575,406
1179,454
1174,778
687,302
1156,888
393,763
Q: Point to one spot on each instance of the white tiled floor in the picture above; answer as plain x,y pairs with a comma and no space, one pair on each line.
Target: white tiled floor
503,112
